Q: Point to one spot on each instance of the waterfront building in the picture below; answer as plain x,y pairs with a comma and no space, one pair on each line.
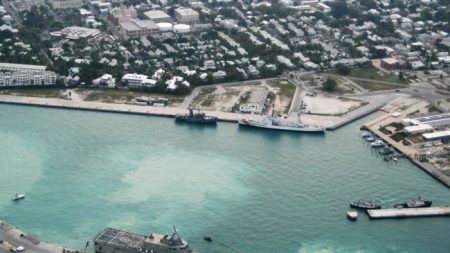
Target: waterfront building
186,15
438,120
14,67
256,101
66,4
12,79
443,136
138,81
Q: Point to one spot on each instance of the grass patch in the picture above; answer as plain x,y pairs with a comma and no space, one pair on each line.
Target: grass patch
36,92
287,89
116,95
374,86
372,73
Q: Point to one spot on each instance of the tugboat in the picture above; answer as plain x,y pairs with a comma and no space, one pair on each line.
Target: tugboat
415,203
18,196
196,118
365,205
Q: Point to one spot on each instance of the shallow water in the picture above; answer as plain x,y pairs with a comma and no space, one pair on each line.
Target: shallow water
257,190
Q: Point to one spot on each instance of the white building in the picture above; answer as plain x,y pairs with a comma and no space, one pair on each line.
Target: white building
186,15
11,79
66,4
136,28
158,16
256,102
106,81
13,67
138,81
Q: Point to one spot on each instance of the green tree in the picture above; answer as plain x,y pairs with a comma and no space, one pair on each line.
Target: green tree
329,85
343,69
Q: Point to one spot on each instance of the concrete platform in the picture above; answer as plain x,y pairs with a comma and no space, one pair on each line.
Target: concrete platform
408,212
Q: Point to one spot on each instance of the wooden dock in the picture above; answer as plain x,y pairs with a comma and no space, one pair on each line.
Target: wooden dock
408,212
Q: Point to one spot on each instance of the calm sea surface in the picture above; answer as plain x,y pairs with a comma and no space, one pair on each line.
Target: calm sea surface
256,190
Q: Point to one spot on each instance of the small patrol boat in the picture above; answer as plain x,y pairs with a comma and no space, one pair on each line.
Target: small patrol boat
18,196
415,203
365,205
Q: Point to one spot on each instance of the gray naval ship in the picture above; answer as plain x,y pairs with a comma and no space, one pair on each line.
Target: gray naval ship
117,241
280,123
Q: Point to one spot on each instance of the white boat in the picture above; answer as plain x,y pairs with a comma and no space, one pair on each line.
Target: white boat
365,134
395,159
280,123
377,143
18,196
371,139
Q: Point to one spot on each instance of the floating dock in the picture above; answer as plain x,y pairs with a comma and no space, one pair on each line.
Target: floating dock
408,212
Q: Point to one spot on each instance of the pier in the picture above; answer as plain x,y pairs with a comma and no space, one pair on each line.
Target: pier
408,212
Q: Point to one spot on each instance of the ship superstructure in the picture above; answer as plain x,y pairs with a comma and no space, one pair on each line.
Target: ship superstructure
113,240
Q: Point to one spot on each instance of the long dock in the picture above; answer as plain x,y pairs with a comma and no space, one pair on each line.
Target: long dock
408,212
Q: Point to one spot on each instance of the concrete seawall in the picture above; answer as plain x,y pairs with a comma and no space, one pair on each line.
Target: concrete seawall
13,235
111,108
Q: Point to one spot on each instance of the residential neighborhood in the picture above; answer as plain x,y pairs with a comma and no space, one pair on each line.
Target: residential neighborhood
179,45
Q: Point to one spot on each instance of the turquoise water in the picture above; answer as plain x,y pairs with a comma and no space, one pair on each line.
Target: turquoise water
258,191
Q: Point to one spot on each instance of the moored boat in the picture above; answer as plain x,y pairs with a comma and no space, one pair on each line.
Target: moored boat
415,203
199,117
280,123
365,205
377,144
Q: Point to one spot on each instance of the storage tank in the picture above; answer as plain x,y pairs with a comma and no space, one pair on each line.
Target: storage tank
181,28
164,27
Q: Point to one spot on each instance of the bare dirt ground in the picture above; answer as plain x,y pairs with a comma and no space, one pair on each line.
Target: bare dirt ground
229,98
222,98
332,106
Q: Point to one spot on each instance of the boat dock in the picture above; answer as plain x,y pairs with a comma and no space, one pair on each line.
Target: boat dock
408,212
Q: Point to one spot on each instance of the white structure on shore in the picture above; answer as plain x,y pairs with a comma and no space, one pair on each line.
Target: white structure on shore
256,102
105,81
14,67
12,74
13,79
138,81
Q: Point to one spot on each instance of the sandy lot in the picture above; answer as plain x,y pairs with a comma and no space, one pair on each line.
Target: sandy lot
326,105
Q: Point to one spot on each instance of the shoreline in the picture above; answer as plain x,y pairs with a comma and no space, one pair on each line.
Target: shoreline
12,234
171,112
110,107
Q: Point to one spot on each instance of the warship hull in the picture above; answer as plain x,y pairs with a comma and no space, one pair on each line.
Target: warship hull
249,123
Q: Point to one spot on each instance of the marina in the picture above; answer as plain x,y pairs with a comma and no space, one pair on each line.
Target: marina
408,212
